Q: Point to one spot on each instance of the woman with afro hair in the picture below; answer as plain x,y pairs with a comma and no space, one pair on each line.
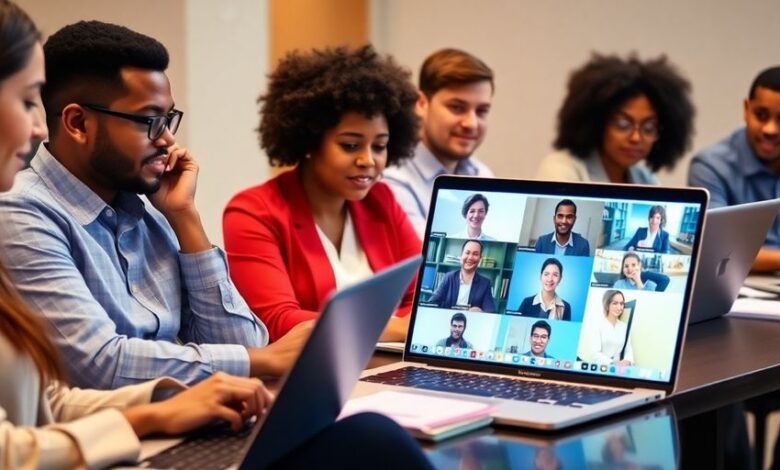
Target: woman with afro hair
339,116
621,122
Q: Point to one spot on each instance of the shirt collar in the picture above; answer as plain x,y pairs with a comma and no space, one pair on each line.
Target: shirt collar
556,301
75,196
430,167
570,242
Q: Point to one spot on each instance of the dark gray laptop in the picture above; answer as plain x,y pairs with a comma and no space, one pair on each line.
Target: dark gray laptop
731,240
331,361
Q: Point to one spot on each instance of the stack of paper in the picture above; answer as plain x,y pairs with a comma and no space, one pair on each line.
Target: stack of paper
424,416
756,308
754,303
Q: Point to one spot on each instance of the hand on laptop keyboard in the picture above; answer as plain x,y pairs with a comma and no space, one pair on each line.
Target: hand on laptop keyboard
233,400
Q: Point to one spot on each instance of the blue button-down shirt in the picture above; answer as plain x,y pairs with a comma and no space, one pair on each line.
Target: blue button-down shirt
412,182
124,305
733,174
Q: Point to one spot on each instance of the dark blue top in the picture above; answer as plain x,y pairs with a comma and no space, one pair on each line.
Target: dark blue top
579,246
733,174
529,309
446,295
660,244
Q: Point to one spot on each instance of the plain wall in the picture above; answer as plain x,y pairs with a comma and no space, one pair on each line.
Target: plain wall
720,45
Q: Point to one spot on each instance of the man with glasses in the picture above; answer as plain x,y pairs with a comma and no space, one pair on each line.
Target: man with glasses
540,336
102,234
745,166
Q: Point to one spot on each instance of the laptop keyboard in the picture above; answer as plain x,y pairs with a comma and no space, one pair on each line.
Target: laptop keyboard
214,448
494,387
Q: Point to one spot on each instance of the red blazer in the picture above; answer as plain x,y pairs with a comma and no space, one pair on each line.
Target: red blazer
276,258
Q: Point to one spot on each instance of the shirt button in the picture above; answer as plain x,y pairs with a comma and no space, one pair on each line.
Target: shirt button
109,213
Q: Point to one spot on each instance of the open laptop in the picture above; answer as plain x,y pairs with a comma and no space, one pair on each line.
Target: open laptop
644,440
494,356
333,357
733,237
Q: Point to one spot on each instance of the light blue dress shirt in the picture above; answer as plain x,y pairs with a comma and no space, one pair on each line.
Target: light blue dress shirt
733,174
627,284
412,182
124,305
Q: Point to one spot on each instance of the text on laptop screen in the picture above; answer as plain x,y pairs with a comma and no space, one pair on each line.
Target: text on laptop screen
583,285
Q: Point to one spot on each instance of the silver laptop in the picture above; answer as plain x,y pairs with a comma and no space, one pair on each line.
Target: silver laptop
733,237
331,361
527,329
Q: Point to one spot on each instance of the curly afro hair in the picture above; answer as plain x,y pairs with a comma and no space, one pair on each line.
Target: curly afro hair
309,92
604,83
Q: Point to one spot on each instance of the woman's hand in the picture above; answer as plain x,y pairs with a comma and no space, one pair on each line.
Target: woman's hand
220,397
636,278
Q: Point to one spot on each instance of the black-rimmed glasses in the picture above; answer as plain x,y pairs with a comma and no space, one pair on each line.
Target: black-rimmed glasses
649,130
157,124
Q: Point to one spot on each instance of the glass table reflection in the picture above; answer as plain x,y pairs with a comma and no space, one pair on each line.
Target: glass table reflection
646,440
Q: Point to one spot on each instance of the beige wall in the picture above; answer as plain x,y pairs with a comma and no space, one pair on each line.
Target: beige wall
303,24
532,46
219,53
167,25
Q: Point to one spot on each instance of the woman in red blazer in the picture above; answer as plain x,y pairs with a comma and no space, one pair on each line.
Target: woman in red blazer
340,116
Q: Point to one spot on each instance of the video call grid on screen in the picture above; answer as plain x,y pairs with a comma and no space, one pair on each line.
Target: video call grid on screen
609,245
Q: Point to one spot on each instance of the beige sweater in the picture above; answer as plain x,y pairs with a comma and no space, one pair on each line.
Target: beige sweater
64,427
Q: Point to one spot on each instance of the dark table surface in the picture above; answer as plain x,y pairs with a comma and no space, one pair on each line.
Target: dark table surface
725,361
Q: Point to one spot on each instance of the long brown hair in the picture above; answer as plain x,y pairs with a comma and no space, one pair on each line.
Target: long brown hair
20,326
26,333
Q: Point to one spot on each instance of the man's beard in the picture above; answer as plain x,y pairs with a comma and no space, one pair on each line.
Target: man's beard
119,170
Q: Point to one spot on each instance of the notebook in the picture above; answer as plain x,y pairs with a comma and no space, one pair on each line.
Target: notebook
526,331
425,417
332,358
733,237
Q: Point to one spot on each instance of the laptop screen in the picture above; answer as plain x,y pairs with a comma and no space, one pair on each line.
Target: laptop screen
582,279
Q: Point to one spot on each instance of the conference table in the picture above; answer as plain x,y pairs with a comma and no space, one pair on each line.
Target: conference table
725,361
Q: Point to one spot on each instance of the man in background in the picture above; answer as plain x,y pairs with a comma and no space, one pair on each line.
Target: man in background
745,166
456,90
